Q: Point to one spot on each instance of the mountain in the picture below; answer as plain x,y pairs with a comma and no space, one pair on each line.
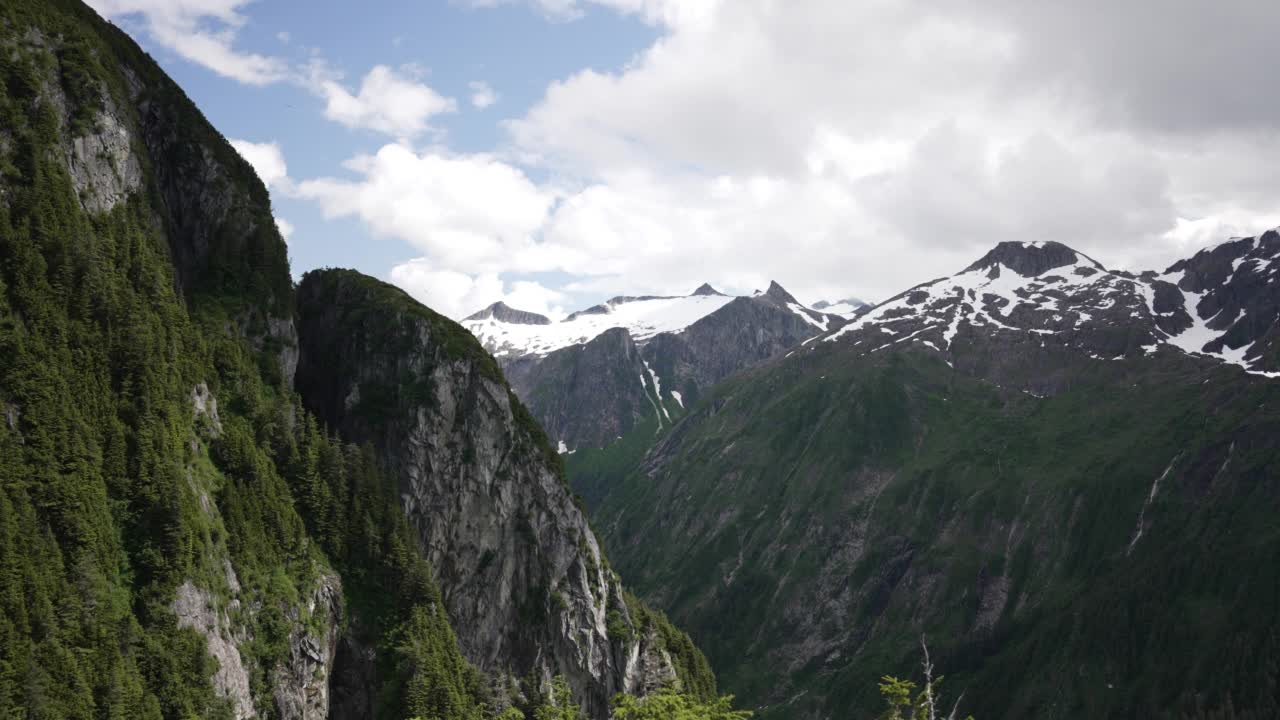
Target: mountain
501,312
635,362
848,306
526,587
1065,477
1036,300
213,505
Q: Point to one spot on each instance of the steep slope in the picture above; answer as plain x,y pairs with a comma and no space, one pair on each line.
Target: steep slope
521,573
1017,462
179,538
167,536
632,363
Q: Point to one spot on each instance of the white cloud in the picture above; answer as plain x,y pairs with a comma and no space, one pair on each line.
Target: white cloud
285,227
470,213
387,101
390,101
457,294
202,31
482,96
888,142
267,160
839,148
651,11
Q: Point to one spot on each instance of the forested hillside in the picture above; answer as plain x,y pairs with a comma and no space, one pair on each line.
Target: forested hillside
1077,513
179,536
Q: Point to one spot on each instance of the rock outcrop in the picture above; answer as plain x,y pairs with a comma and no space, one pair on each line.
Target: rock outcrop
527,588
504,313
198,609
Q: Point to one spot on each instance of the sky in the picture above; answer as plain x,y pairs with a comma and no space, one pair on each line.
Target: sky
553,153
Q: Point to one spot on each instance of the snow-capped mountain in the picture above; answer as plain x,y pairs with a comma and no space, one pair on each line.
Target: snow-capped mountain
1220,303
500,312
601,371
643,317
1037,461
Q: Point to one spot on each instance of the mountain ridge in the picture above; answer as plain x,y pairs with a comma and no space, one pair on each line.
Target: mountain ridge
603,372
985,458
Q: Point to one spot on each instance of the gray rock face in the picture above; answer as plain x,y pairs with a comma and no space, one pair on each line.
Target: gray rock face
1029,259
501,311
104,168
739,335
205,405
11,414
590,394
587,395
284,335
779,293
520,571
1234,288
302,682
101,159
299,685
197,608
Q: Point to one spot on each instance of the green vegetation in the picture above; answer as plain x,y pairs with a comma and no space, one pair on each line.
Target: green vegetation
668,705
927,702
855,504
591,470
692,669
370,313
559,704
112,491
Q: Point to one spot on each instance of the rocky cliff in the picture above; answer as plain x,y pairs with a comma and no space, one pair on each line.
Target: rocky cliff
526,586
591,386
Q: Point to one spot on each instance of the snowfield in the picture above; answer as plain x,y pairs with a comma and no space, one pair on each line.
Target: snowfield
642,318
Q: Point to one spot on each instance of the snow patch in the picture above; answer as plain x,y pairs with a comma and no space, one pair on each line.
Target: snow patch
804,315
1151,496
642,318
657,390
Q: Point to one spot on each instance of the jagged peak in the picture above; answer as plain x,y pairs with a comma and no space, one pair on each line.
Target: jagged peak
706,289
777,292
1030,259
502,312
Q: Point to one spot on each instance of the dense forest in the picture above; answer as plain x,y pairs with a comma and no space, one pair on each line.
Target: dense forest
153,454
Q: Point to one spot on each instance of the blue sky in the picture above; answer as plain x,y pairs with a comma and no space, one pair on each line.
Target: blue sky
647,146
515,50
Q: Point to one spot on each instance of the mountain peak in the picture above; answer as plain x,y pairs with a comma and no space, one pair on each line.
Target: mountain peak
1030,259
706,289
502,312
777,292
